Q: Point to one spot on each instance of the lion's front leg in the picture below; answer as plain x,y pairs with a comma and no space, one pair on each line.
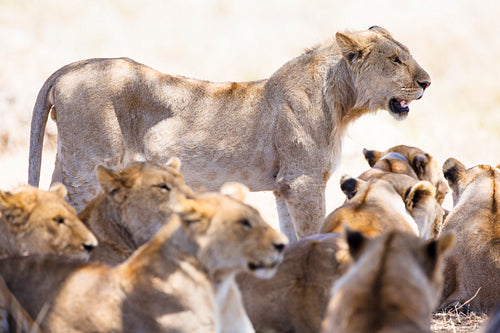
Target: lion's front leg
304,196
286,223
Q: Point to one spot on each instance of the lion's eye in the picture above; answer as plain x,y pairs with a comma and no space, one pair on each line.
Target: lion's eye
164,187
396,60
245,223
58,219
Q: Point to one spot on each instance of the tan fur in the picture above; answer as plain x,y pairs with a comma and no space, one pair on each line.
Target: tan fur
418,164
24,322
132,206
474,265
173,283
419,196
376,207
393,285
281,134
37,221
295,299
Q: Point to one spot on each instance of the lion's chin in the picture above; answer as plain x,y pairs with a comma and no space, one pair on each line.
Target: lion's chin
398,108
263,271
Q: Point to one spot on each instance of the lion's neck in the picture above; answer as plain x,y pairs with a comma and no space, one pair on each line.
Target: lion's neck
169,250
232,314
104,219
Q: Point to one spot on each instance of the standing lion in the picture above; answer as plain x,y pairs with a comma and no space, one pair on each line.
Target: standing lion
281,134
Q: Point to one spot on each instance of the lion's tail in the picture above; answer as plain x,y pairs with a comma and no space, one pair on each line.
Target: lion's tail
9,304
38,122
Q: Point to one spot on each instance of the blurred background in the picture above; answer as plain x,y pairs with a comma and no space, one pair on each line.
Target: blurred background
457,42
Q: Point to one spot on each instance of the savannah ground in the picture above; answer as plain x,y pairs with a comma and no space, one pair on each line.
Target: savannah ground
222,40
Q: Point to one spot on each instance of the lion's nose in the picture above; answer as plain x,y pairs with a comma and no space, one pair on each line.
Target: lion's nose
279,247
424,84
88,247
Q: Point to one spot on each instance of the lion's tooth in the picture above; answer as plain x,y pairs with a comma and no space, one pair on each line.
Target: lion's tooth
404,104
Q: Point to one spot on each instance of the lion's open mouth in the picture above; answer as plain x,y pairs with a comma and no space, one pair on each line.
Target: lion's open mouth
253,266
398,106
264,270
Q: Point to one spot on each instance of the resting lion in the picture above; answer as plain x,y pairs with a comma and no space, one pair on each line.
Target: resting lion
419,196
36,221
179,281
473,267
393,285
295,298
413,162
280,134
132,206
375,206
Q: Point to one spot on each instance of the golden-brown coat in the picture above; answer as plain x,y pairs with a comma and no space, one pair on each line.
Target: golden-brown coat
281,134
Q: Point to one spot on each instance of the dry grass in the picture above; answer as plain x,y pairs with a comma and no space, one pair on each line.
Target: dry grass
456,320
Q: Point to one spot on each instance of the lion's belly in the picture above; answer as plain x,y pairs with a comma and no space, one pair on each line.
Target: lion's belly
210,158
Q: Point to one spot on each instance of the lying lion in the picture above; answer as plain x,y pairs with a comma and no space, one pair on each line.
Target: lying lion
36,221
411,161
132,207
374,207
473,267
393,285
282,134
295,298
419,197
177,282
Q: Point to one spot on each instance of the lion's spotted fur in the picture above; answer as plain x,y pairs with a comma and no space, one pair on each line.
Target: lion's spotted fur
132,206
393,285
281,134
178,281
473,267
37,221
295,299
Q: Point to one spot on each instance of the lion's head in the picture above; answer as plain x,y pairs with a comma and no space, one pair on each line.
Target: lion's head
385,74
232,235
137,196
37,221
392,286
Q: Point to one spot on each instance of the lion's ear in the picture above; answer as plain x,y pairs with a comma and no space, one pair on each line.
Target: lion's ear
235,190
195,215
15,207
350,185
112,183
419,163
434,250
353,48
59,190
372,156
381,30
417,193
356,242
453,171
174,162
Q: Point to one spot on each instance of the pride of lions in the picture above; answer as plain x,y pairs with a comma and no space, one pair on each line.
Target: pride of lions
159,238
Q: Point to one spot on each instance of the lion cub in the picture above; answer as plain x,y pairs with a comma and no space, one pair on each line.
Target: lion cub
473,268
393,285
132,206
295,299
176,282
38,221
